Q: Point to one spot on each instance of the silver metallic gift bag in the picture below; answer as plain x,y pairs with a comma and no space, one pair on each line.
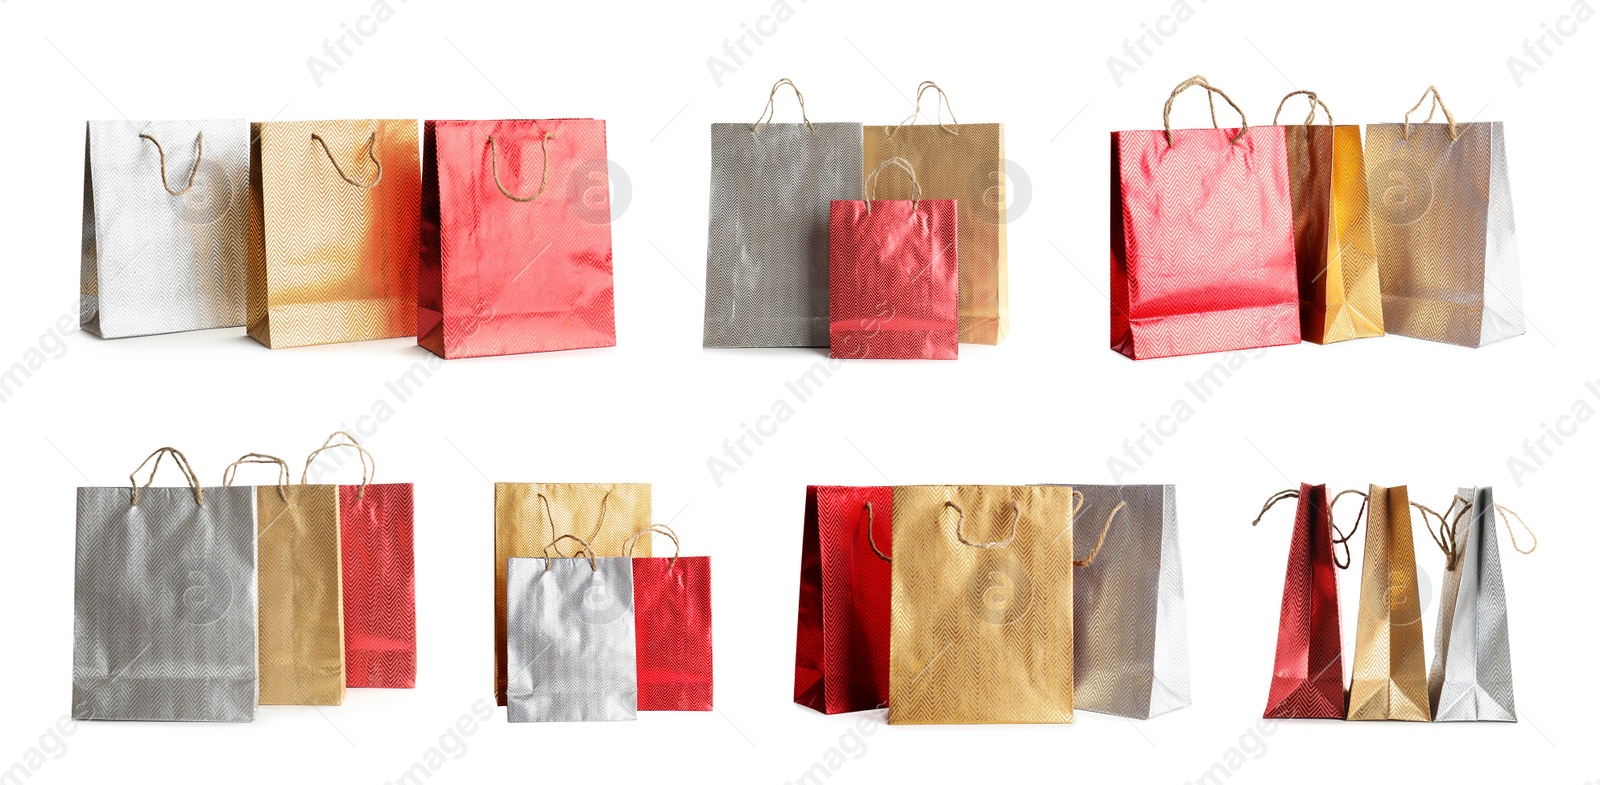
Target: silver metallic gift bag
164,623
1470,679
570,652
767,246
1130,636
164,231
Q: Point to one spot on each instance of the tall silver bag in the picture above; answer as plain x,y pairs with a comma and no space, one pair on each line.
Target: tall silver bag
164,232
767,246
164,622
1470,679
1130,636
570,653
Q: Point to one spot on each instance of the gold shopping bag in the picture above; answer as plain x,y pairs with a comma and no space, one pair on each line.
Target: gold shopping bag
981,598
300,618
527,516
967,163
334,232
1390,673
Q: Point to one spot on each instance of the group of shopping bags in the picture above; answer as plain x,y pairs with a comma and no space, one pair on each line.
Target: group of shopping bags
494,239
1248,237
968,604
884,242
197,603
588,624
1470,678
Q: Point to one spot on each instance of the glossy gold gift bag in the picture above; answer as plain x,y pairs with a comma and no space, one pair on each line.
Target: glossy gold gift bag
301,613
1390,674
981,626
967,163
334,211
527,516
1338,268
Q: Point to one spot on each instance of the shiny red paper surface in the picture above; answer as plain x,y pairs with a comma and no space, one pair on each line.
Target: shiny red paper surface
1202,243
892,279
672,632
1308,674
841,658
499,276
380,611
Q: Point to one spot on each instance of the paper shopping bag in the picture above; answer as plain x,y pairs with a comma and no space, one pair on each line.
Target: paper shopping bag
1389,678
528,516
300,616
334,210
1446,236
892,276
164,226
1338,268
378,568
570,639
767,246
672,627
516,237
164,620
841,660
1202,239
966,163
981,630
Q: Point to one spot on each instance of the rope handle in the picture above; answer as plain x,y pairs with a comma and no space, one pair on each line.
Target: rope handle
199,151
372,155
545,501
1452,558
1211,100
1104,530
1273,499
1438,104
366,458
1445,535
939,106
1200,81
659,528
1342,538
769,112
870,182
1016,519
584,551
870,539
229,473
1313,100
544,174
183,465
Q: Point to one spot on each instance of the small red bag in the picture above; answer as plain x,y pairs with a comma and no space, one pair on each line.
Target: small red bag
1308,672
892,275
672,628
841,660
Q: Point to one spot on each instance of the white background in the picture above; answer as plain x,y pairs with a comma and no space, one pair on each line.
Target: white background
1050,404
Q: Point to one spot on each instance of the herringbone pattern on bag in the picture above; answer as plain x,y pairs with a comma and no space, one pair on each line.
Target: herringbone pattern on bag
301,624
1338,268
1470,679
672,632
1308,668
379,571
892,280
571,647
1389,679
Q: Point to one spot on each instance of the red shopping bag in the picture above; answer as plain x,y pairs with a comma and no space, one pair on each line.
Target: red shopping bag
841,660
1202,239
516,237
378,572
892,275
672,628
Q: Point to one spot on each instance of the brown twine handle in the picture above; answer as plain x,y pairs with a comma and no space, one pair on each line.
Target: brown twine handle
1513,534
1104,530
1438,104
870,185
1312,99
199,150
1211,100
584,551
939,106
769,113
1342,538
1199,81
1445,535
601,522
183,465
1274,498
372,154
659,528
870,540
229,473
1016,519
366,457
544,174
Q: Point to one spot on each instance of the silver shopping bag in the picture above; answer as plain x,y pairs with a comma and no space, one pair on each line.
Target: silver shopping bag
164,621
1470,679
570,654
1445,234
767,246
164,231
1130,636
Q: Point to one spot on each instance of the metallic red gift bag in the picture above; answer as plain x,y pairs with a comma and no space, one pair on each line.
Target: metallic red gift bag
1202,239
672,628
841,660
892,275
516,237
1308,673
378,572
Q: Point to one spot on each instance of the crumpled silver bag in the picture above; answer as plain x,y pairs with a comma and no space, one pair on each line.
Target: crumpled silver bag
570,654
164,622
767,246
1130,635
164,231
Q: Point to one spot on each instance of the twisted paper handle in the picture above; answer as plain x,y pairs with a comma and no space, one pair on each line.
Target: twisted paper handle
769,112
659,528
604,500
372,155
1312,99
1438,104
583,551
939,106
199,151
366,459
229,473
183,465
1200,82
544,173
